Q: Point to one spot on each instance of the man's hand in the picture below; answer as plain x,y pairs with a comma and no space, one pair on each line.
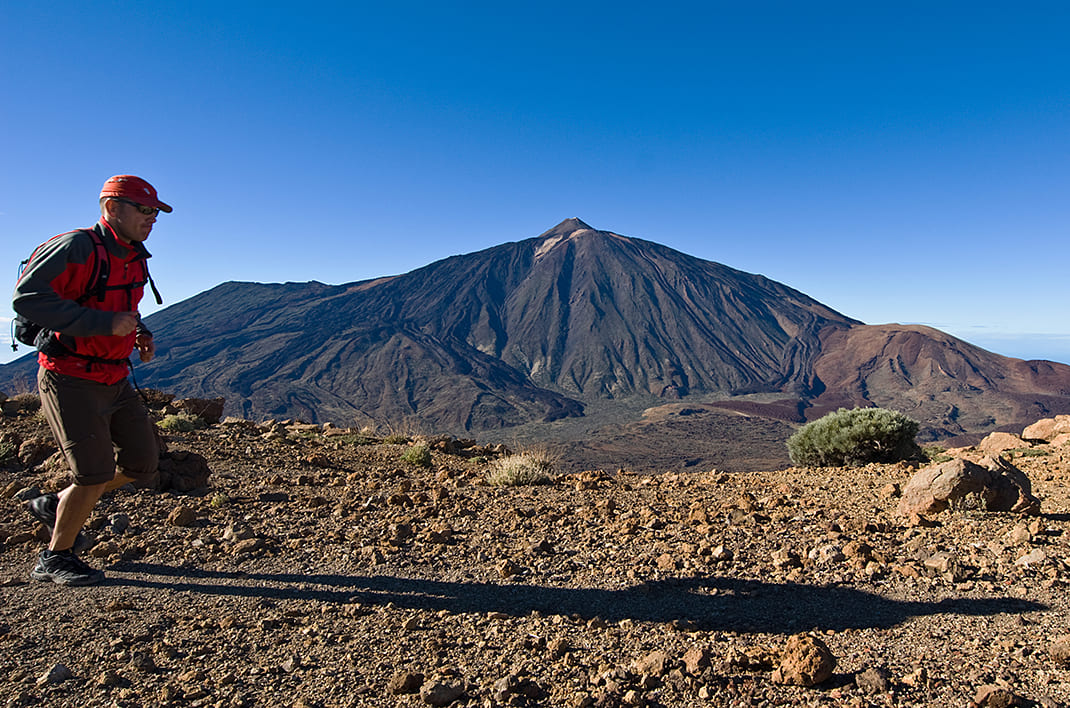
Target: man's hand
123,323
146,347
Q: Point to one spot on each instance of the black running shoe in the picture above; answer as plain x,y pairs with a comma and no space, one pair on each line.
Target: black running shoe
64,568
43,508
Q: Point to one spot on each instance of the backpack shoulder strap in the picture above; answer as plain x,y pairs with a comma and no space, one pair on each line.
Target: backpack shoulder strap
98,276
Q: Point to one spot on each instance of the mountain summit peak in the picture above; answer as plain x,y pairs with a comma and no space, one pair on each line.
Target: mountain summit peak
566,227
564,231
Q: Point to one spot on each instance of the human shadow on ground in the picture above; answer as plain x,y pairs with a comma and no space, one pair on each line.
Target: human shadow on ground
705,603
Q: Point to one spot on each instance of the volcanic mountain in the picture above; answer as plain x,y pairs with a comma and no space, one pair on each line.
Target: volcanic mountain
570,322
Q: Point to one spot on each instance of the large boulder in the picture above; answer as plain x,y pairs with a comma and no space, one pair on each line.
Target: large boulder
996,443
1047,429
1001,486
182,471
210,409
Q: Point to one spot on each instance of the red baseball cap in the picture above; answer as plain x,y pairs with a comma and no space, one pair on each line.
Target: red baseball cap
135,189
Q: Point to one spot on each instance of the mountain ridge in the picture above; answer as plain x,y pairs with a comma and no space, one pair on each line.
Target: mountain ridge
541,329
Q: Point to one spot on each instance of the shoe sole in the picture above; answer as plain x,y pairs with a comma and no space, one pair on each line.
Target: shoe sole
45,577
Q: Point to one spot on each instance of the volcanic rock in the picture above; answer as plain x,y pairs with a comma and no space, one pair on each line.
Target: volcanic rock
1047,429
1002,486
805,661
996,443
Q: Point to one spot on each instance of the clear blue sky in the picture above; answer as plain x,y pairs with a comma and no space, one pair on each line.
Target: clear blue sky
900,162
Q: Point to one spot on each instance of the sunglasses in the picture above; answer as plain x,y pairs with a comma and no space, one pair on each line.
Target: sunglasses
146,210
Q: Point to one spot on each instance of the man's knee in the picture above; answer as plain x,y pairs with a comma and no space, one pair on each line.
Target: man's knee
139,462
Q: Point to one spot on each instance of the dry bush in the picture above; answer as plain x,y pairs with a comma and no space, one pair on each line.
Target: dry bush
522,469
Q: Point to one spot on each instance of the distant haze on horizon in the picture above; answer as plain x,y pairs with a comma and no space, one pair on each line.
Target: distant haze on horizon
905,163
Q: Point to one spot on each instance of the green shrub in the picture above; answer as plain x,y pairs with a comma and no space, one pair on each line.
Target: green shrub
855,437
523,469
182,423
419,455
1029,452
937,454
396,439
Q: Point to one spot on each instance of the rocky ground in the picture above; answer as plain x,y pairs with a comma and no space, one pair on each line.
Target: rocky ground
318,568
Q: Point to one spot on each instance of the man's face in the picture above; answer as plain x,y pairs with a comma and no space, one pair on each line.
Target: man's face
130,223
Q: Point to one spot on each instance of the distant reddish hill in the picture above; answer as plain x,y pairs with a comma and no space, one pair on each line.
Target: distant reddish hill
552,329
950,385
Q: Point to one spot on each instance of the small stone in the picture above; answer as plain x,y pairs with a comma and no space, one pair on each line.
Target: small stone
918,677
400,533
1019,535
828,553
12,489
119,605
118,523
890,491
543,547
858,549
1060,650
666,562
191,676
558,647
182,516
872,680
142,662
502,689
756,658
785,558
440,694
404,683
940,562
249,545
1034,556
695,659
109,678
656,663
104,550
57,674
920,521
508,569
992,696
237,532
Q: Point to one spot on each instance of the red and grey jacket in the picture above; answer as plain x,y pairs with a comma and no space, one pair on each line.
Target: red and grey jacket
51,292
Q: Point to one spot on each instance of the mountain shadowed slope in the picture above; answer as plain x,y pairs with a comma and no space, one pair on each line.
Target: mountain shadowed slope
523,331
548,328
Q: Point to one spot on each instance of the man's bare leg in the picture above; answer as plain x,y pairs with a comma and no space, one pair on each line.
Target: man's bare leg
75,505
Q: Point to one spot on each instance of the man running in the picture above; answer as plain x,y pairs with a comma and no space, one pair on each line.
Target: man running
89,330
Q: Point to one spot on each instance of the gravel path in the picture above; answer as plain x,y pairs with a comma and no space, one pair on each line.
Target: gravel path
314,571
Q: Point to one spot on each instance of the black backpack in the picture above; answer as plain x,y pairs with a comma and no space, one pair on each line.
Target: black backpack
34,335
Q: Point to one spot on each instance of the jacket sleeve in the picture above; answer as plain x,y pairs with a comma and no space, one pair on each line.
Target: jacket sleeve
56,276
